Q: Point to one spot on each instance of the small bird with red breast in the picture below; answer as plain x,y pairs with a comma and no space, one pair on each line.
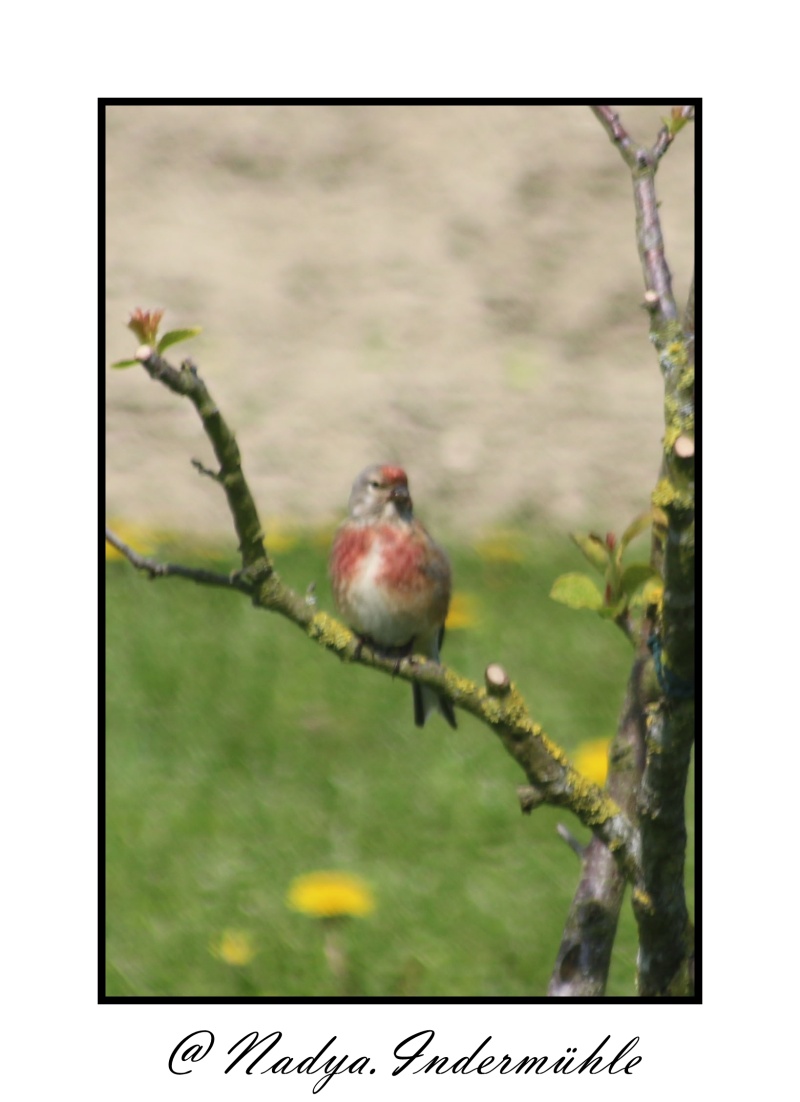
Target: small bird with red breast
391,581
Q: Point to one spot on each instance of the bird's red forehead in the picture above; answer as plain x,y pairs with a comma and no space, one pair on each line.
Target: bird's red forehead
394,475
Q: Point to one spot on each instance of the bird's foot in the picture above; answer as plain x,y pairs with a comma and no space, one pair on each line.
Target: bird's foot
387,652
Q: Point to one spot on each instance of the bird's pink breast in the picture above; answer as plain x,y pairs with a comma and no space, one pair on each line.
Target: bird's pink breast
352,544
402,556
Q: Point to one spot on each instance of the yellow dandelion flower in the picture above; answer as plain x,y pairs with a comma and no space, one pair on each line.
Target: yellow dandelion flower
501,546
322,536
141,539
235,947
463,612
280,536
591,759
328,894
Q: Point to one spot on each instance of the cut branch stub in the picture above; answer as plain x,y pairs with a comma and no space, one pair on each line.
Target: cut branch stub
498,682
684,447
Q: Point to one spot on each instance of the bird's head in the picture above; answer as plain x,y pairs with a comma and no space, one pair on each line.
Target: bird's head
381,492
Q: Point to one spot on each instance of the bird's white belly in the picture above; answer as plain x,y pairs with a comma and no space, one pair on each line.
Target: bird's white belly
375,611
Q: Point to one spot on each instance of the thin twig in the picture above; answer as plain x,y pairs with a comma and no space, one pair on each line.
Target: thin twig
215,476
667,133
615,130
566,835
156,569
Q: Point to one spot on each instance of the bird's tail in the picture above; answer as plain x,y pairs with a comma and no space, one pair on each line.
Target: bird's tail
427,700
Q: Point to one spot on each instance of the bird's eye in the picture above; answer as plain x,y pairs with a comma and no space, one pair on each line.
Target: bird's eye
374,484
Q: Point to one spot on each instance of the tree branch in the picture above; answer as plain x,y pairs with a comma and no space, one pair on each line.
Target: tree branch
616,132
666,937
688,316
187,382
643,163
499,704
584,955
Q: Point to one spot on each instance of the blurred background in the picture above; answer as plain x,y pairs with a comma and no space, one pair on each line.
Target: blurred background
454,289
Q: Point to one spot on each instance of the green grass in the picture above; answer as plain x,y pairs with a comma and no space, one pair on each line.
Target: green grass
240,755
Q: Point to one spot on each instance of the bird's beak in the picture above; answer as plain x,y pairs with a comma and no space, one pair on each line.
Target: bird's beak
400,496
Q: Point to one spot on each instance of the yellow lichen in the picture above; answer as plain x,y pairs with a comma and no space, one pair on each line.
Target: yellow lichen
588,802
459,686
642,899
331,633
686,381
676,351
555,751
664,494
492,708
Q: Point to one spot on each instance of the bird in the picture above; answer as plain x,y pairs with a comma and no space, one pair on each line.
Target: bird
391,581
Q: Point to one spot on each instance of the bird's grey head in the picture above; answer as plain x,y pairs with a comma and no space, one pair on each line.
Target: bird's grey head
380,491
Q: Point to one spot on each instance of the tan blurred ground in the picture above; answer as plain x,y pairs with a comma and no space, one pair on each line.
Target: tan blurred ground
455,289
